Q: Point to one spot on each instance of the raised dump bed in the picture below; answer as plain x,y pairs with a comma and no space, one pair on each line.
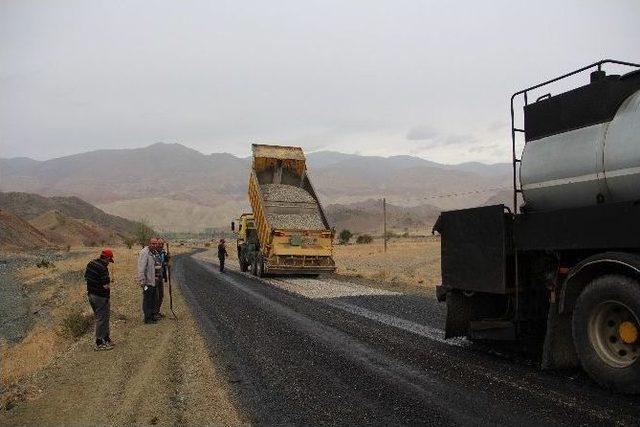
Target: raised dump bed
293,232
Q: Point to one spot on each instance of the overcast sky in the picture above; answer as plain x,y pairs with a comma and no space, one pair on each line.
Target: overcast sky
424,78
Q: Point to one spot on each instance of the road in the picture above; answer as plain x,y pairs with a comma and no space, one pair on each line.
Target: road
327,351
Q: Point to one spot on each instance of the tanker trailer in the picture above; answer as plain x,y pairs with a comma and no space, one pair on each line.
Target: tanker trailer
562,271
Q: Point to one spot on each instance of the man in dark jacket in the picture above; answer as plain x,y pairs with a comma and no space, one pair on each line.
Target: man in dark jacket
98,290
222,254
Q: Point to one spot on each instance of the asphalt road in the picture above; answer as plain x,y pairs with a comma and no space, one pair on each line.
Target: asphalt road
314,351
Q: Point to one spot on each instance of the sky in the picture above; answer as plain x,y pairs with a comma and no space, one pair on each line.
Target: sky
424,78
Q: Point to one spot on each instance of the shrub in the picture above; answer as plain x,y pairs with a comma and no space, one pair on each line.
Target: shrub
45,264
129,241
143,232
364,239
345,236
76,324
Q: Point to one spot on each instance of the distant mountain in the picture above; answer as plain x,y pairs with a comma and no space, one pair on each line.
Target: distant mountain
31,206
178,187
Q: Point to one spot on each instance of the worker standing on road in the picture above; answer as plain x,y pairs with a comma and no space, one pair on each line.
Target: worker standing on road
222,254
147,281
160,269
98,290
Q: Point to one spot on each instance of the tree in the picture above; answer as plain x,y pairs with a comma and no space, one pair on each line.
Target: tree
364,239
143,232
345,236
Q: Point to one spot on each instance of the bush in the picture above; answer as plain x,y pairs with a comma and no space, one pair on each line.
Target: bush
76,324
345,236
364,239
129,241
45,264
143,232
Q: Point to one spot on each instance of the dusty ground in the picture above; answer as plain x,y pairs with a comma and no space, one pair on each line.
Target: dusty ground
157,374
408,262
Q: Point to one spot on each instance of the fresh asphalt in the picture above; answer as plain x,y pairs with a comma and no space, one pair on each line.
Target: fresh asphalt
373,359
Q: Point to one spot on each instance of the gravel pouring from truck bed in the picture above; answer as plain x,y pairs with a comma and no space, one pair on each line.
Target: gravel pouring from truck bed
297,356
285,193
289,195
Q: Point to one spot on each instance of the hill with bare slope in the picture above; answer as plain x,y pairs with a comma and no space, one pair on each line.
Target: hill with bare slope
63,230
16,233
30,206
367,217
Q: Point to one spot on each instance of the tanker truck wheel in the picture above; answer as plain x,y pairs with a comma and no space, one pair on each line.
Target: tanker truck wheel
606,332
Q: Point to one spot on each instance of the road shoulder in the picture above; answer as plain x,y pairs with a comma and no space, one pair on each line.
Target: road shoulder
158,374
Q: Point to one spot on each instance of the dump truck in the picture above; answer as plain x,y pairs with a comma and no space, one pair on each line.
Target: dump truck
293,235
562,268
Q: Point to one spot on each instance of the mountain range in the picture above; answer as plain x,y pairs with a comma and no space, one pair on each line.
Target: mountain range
177,188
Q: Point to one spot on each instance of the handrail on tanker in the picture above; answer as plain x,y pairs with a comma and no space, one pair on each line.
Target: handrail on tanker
514,159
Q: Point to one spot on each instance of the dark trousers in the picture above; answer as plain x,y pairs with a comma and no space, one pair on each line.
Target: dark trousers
159,294
101,308
221,264
149,302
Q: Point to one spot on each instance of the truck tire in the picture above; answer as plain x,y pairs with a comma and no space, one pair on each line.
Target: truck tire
260,262
254,266
606,332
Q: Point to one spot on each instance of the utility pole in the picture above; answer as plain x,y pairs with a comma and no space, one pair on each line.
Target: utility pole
384,216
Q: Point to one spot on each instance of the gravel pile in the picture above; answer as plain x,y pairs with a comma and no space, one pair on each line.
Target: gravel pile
285,193
281,195
296,221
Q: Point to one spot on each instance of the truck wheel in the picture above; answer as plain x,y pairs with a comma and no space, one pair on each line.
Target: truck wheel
260,263
254,266
606,332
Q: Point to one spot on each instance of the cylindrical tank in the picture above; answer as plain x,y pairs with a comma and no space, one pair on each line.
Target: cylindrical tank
586,166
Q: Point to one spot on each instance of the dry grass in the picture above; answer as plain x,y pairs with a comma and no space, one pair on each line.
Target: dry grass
54,296
157,374
408,261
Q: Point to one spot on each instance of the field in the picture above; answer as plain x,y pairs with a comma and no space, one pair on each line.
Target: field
165,366
408,262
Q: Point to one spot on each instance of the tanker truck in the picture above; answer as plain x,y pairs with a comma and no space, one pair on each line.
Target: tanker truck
562,270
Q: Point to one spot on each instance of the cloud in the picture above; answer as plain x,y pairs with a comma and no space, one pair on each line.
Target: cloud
422,133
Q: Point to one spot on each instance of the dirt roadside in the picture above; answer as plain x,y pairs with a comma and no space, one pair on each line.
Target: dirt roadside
158,374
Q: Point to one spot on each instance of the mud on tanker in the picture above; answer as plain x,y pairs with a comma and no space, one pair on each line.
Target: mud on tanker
287,231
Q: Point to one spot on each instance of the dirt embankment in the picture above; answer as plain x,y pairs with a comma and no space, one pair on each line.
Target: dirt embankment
157,374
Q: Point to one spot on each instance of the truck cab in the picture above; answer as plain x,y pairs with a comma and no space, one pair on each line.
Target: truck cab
246,240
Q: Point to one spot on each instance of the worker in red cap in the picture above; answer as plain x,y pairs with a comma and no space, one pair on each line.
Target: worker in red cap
222,254
98,290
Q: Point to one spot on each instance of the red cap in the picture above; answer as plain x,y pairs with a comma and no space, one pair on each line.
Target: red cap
107,253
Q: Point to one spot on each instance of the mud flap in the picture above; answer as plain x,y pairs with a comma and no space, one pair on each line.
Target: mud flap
458,315
558,351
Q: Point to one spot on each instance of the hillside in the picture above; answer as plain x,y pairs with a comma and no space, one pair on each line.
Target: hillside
30,206
367,217
16,233
63,230
178,188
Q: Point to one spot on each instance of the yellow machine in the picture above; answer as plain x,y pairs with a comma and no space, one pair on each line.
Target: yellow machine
293,235
246,240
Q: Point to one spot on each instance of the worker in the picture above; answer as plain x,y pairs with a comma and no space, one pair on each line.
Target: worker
99,293
160,269
147,280
222,254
